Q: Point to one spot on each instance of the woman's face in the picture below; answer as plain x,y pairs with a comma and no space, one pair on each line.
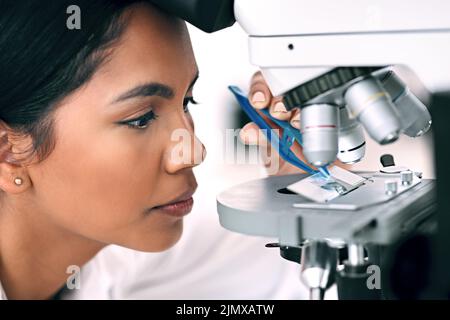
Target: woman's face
105,177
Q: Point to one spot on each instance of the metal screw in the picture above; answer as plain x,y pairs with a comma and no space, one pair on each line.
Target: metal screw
390,187
406,177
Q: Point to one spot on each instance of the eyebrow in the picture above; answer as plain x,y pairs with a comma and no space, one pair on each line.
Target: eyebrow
152,89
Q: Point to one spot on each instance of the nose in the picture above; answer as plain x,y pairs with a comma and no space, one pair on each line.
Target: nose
185,150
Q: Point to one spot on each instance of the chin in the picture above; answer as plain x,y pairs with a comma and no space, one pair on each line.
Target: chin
164,240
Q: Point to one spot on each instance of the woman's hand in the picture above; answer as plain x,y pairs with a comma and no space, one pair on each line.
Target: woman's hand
261,97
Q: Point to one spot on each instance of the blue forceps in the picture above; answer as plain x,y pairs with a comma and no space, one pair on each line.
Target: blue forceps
289,136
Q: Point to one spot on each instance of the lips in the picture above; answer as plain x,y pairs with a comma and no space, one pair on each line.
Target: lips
184,196
179,206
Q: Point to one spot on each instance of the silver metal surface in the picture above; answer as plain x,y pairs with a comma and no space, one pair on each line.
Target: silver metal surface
316,294
393,169
372,106
414,115
261,208
352,146
390,187
319,127
406,177
355,254
336,96
318,266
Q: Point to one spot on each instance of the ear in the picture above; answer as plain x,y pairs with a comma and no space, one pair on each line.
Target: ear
14,178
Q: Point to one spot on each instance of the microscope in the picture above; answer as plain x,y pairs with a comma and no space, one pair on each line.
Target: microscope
340,63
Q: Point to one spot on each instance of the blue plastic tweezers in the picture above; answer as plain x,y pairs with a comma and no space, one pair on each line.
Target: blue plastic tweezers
289,136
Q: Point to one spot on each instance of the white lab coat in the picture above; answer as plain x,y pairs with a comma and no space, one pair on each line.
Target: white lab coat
246,271
208,263
2,293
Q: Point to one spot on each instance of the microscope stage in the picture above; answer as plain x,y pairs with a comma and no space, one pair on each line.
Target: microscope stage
265,207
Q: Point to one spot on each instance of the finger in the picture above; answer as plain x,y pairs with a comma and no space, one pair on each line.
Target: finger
249,134
260,95
278,109
295,118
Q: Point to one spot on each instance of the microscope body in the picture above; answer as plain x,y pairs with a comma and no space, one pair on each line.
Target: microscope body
347,54
294,41
347,64
350,54
327,57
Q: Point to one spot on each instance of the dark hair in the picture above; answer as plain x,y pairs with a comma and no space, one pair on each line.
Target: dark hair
42,60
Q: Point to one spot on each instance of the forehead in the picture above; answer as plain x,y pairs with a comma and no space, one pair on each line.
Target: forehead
154,47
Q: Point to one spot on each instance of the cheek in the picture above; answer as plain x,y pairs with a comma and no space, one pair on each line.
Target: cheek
99,181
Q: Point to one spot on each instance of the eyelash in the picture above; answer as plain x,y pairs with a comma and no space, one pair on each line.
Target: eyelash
151,116
186,102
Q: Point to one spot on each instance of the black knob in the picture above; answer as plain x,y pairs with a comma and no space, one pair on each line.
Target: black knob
387,160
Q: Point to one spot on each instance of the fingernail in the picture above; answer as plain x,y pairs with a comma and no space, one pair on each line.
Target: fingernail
248,137
295,122
279,107
3,137
258,96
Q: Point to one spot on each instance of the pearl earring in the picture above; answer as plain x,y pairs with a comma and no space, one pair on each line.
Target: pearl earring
18,181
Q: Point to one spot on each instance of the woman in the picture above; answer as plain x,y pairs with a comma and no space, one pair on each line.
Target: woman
87,122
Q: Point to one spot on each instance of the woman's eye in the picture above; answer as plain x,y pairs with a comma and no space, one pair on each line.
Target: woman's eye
142,122
186,102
